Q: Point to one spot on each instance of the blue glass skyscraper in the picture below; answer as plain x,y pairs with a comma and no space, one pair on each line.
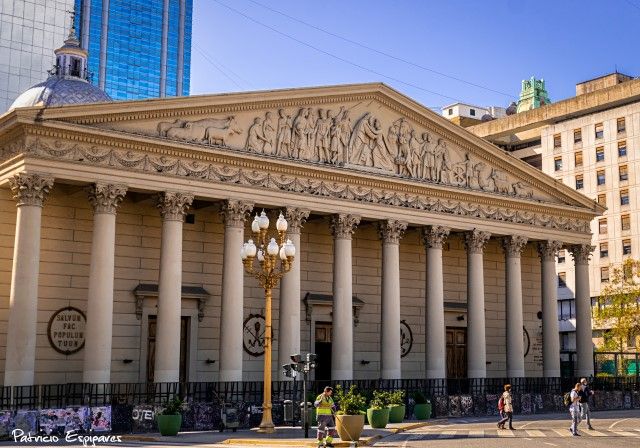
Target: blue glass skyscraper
137,48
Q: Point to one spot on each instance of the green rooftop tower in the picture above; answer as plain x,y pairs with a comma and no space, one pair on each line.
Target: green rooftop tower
533,94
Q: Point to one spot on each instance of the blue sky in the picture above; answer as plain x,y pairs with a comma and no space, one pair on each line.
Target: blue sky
492,43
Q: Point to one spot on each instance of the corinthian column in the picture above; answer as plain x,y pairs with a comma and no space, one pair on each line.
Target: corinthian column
547,251
476,340
513,246
30,191
173,206
584,333
342,227
435,346
233,215
105,200
390,232
290,294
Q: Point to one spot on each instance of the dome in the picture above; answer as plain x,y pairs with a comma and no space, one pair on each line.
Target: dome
487,117
57,91
512,109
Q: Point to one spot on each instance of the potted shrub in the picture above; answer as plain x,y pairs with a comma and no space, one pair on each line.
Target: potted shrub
397,408
349,419
422,407
170,419
378,412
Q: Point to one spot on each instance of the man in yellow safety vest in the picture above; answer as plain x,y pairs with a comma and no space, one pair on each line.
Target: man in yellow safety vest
326,423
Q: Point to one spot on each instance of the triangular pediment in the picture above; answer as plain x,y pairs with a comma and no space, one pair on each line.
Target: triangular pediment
366,128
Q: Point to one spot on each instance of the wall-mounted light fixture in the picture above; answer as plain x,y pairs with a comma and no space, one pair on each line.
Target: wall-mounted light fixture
460,317
210,361
365,362
127,361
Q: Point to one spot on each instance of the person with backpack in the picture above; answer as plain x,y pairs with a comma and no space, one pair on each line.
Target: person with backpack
585,393
507,408
574,408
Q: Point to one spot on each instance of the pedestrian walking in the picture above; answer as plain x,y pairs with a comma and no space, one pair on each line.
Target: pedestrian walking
585,393
574,408
507,408
326,422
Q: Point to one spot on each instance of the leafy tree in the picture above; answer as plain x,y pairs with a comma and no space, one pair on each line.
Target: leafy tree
618,308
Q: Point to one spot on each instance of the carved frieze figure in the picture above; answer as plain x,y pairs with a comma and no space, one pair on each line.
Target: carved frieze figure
501,182
442,165
255,138
309,132
469,171
367,145
399,136
427,158
340,136
217,134
520,189
164,126
208,130
299,134
283,138
269,134
413,160
322,137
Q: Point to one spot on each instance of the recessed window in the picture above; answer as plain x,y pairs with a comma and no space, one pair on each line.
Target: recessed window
602,199
624,197
579,182
601,179
562,256
557,163
625,221
604,250
450,111
602,226
557,141
626,247
578,158
472,112
577,136
599,153
562,279
624,172
622,148
599,130
604,274
621,126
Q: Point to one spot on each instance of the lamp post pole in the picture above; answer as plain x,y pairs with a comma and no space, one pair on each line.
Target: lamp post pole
268,273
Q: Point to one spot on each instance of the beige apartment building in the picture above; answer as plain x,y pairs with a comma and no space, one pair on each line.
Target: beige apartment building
591,143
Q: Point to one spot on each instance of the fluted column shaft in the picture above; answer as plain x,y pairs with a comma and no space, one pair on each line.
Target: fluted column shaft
342,227
98,331
514,323
231,319
584,332
390,232
173,207
435,344
476,333
289,343
547,251
30,191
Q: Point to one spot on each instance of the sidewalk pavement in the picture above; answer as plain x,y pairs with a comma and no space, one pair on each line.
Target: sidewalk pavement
284,436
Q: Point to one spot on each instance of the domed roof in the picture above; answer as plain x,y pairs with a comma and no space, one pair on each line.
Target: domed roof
57,91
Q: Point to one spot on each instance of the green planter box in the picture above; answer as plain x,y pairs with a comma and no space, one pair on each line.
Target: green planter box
378,418
169,425
422,411
396,413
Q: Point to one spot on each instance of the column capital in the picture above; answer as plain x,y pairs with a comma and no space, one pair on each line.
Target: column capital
173,205
295,217
343,225
513,245
475,241
234,212
547,250
30,188
434,236
391,230
105,198
581,252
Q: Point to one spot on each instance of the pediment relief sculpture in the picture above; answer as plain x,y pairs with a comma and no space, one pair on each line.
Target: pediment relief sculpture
369,140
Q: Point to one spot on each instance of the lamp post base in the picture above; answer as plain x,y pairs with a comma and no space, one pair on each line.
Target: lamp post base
267,427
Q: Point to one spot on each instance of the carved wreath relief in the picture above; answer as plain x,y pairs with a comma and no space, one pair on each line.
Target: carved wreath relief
364,142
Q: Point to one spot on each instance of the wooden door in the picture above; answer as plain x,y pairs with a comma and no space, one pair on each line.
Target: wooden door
456,352
151,347
323,351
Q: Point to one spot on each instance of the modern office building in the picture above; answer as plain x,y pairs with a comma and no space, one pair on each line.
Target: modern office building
465,115
137,48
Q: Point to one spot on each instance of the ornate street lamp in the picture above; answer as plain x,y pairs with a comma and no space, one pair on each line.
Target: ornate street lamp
268,272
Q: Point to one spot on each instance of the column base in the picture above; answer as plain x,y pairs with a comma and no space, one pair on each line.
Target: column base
230,375
166,376
18,378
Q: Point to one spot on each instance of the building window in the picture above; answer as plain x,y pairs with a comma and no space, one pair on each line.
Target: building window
557,141
622,148
557,163
578,158
450,111
579,182
472,112
601,179
626,222
577,136
562,279
626,247
602,226
624,172
604,250
604,274
562,256
602,199
599,130
599,153
621,125
624,197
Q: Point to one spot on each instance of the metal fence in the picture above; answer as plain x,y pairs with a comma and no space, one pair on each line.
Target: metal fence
616,364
